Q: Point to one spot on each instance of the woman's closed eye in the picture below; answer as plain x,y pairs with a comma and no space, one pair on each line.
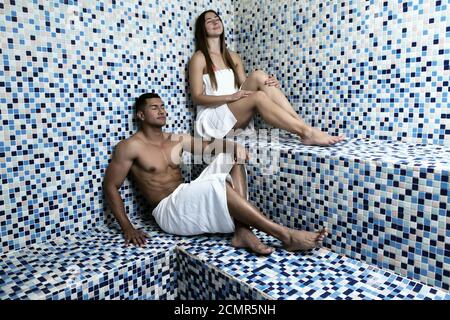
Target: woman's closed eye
213,20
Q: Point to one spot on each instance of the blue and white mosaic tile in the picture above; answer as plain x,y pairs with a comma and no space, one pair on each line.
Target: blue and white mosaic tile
383,203
199,281
92,264
317,274
69,75
367,69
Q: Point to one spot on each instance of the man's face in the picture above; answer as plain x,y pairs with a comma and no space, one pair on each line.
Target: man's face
153,113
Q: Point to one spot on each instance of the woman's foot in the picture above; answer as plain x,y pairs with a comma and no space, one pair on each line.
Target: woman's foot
304,240
313,136
245,238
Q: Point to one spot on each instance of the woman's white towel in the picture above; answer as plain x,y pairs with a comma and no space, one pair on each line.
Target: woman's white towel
216,122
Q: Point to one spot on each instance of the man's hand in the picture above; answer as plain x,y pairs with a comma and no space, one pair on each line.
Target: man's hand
241,155
136,237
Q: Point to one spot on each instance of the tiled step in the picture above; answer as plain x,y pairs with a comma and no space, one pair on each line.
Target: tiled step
386,203
95,264
212,269
92,265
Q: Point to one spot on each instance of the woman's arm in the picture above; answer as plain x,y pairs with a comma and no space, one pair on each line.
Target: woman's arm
196,67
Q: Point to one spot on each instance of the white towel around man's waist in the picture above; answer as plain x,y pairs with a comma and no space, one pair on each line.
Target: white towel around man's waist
199,206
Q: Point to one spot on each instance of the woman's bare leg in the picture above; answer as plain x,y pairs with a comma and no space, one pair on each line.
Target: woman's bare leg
256,81
293,240
245,108
310,136
243,235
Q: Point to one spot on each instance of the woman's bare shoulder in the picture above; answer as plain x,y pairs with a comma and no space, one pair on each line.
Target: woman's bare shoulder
198,57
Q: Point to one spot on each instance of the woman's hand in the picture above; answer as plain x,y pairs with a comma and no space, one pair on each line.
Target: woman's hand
136,237
240,94
272,82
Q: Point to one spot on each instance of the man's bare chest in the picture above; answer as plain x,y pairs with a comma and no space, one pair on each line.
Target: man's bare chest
159,159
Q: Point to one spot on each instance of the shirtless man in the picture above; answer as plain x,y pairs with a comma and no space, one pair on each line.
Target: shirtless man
210,204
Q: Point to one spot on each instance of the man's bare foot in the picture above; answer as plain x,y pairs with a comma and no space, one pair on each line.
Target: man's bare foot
245,238
304,240
313,136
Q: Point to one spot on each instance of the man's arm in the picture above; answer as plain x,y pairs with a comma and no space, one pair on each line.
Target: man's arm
115,175
198,146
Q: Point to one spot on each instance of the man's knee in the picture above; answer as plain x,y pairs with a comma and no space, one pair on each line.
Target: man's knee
228,190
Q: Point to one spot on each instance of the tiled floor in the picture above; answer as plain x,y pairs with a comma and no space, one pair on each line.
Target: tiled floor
95,265
62,268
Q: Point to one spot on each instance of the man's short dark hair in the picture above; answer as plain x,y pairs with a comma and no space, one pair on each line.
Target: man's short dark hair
140,102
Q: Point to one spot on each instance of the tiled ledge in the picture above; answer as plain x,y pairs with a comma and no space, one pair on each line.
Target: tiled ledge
316,274
93,264
386,203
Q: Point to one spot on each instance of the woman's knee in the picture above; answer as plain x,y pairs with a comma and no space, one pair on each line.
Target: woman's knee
259,76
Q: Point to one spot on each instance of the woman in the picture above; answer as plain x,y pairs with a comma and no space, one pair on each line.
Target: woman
226,99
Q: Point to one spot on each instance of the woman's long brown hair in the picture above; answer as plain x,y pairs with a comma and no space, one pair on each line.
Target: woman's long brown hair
202,45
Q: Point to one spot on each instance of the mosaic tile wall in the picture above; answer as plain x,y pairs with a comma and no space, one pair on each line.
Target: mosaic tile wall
70,71
366,69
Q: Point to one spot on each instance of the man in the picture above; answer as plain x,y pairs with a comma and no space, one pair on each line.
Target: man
215,202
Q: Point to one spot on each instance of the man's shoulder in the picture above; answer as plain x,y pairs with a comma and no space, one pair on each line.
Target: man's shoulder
129,145
130,141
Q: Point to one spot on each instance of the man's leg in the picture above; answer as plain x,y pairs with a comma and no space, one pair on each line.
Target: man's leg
243,235
293,240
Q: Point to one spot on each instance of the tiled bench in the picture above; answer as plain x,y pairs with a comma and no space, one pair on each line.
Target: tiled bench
386,203
219,271
94,264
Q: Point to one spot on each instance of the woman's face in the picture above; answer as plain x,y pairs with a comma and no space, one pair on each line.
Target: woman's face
213,25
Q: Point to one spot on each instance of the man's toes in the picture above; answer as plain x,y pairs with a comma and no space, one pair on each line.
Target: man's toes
322,234
263,249
268,250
